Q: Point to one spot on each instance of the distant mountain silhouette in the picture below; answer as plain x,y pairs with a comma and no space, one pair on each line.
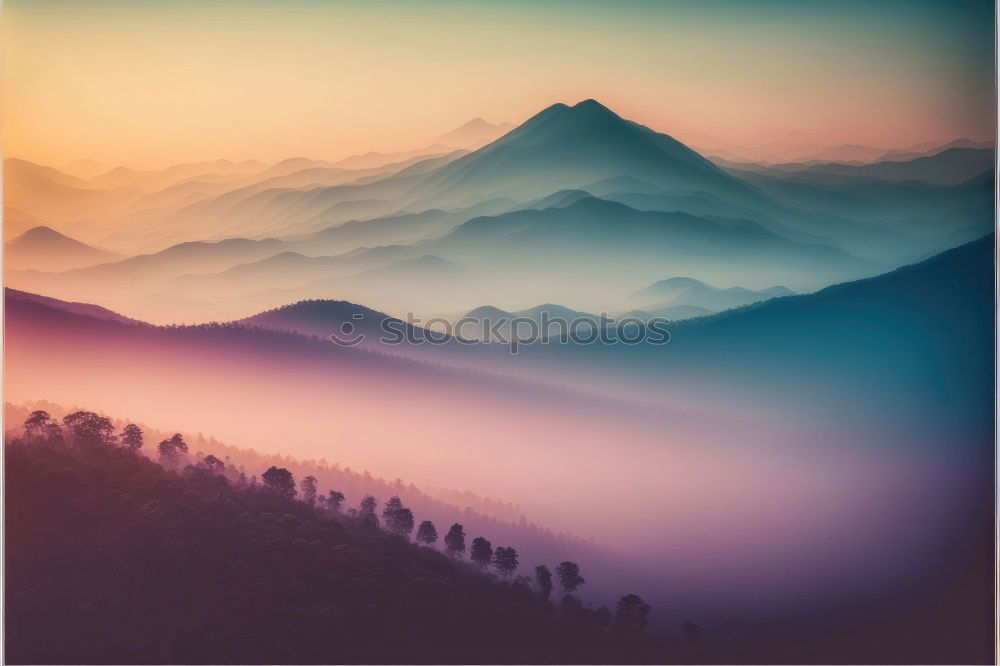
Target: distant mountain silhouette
952,166
784,152
56,197
509,324
588,147
556,202
394,229
354,236
591,234
18,169
904,215
374,160
684,291
563,147
323,318
474,134
288,270
930,148
195,256
553,310
45,249
149,180
673,299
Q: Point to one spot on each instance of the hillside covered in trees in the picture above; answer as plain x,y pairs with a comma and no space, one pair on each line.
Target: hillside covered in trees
499,521
490,513
113,557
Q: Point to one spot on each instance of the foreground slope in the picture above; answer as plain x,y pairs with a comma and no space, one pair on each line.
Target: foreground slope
865,395
191,568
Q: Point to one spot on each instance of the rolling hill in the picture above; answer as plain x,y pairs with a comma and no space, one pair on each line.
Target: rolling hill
593,235
84,309
277,580
288,270
683,291
51,195
45,249
952,166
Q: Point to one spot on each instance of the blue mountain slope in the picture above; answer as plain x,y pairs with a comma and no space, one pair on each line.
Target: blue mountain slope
687,291
949,167
595,230
570,146
910,351
927,212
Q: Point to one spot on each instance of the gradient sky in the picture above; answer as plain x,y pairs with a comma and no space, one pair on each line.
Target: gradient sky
148,83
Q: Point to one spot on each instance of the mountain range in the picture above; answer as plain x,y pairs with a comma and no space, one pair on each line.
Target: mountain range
562,200
857,154
684,291
890,316
953,165
901,351
815,425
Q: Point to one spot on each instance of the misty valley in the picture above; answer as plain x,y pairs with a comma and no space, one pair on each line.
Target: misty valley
565,390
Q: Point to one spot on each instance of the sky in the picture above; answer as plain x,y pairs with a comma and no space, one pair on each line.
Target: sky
150,83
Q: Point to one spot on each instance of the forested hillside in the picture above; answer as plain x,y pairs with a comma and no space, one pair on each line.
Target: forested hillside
496,520
115,558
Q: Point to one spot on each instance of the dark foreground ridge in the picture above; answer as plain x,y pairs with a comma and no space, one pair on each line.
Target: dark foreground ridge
114,558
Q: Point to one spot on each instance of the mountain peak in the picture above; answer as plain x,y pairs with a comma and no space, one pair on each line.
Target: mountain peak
488,311
588,108
44,248
46,235
473,133
554,310
40,232
475,123
570,147
680,282
558,106
592,105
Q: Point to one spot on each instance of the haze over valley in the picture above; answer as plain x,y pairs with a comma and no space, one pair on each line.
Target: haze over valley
699,316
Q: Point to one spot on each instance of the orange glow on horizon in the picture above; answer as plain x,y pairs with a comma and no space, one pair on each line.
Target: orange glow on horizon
150,85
